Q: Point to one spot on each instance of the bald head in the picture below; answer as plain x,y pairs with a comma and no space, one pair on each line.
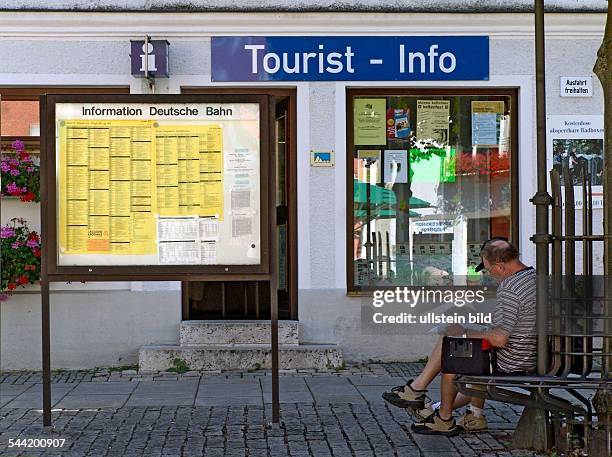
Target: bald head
499,251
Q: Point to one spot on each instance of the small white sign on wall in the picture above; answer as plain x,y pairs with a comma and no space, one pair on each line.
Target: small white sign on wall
322,158
576,86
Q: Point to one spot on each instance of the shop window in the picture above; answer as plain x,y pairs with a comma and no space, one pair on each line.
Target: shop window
433,176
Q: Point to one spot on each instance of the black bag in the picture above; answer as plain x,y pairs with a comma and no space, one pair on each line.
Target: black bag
466,356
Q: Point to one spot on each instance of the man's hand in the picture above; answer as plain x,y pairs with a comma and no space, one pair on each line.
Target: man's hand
454,330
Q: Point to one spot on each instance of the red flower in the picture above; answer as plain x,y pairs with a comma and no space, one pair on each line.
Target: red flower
11,286
28,197
33,236
23,279
36,252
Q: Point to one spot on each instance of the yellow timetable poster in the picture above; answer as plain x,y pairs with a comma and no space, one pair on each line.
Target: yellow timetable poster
189,167
118,175
106,187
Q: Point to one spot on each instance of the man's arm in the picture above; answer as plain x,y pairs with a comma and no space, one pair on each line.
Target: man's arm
496,336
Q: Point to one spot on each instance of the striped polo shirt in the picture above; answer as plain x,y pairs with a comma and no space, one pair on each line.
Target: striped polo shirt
515,312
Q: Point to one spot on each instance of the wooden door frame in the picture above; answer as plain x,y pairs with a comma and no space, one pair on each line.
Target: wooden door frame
292,265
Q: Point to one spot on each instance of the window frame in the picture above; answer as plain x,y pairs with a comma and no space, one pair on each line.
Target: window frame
33,93
351,93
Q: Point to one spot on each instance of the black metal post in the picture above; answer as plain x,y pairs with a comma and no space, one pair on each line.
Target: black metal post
46,351
44,277
274,277
541,199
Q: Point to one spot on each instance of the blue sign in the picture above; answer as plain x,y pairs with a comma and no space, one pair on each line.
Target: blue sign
350,58
149,58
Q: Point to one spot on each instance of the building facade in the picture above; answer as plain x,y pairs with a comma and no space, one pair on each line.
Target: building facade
377,217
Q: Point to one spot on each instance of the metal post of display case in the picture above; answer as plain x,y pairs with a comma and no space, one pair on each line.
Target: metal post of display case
44,279
273,280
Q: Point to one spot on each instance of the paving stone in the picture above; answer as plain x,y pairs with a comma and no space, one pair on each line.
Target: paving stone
223,414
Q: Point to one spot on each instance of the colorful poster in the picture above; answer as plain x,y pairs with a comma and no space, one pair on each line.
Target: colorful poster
486,123
576,145
369,162
396,166
398,123
433,121
369,119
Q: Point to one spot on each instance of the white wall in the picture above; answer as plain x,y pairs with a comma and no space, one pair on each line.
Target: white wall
88,328
79,49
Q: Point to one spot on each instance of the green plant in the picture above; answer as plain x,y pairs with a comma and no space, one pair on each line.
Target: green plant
19,175
20,248
255,367
123,368
340,367
180,366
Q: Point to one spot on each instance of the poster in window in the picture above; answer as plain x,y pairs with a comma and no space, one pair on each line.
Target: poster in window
576,143
396,166
369,160
369,121
398,123
433,121
486,123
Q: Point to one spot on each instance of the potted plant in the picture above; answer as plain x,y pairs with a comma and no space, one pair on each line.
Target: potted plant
20,175
20,248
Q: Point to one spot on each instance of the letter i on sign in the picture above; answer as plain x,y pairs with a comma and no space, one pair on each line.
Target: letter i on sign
151,60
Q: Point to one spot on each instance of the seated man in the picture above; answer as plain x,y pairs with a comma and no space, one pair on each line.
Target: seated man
513,334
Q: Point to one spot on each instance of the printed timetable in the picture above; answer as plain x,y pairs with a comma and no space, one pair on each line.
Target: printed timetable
120,174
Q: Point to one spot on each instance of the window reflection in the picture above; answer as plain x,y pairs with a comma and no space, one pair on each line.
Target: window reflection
436,185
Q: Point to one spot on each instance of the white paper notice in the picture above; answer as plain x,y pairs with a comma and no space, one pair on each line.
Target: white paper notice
396,166
241,226
209,228
177,228
241,198
433,120
179,252
208,253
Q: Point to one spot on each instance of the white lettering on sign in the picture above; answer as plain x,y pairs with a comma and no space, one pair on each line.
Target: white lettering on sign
446,62
147,58
576,86
301,62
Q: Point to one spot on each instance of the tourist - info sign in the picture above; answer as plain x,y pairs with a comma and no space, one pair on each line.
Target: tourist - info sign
350,58
158,184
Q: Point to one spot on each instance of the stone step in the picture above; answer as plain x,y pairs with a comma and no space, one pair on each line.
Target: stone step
237,333
307,356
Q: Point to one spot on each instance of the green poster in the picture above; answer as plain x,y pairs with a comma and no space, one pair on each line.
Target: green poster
369,121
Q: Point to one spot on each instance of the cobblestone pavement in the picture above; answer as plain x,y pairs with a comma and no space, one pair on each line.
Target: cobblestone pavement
335,413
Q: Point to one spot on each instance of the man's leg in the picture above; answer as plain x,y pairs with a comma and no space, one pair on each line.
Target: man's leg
441,422
413,394
431,369
448,395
